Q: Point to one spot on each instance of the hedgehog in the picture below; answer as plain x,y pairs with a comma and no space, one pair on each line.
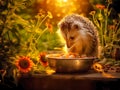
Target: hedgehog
80,35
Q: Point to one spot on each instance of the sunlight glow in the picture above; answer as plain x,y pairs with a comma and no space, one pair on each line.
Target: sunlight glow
65,0
107,75
65,50
61,8
62,0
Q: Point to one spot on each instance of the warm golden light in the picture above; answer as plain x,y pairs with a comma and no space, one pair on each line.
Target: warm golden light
65,50
65,0
62,0
107,75
65,6
61,8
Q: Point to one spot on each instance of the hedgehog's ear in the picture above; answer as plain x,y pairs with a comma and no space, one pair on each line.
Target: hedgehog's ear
76,26
62,25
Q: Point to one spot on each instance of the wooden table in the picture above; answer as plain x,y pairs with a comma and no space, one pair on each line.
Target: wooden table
78,81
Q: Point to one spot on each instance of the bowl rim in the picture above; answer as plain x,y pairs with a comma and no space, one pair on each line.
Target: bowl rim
85,58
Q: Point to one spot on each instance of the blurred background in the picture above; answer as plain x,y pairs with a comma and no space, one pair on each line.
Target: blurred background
28,27
60,8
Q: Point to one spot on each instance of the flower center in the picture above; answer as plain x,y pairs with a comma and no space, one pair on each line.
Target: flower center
24,64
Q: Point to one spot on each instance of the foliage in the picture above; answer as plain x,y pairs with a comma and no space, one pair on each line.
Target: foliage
108,28
23,34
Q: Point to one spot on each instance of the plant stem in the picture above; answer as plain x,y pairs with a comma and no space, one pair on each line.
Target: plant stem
41,34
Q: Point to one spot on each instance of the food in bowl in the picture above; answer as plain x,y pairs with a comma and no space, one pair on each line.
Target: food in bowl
67,56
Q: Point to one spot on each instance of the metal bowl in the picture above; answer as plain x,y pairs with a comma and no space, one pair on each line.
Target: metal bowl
70,65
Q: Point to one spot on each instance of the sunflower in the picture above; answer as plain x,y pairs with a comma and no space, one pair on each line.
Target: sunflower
24,64
42,58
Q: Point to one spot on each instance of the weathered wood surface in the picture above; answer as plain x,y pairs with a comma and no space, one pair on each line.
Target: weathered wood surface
83,81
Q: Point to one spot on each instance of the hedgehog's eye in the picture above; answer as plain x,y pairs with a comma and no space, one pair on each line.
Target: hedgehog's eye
72,38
